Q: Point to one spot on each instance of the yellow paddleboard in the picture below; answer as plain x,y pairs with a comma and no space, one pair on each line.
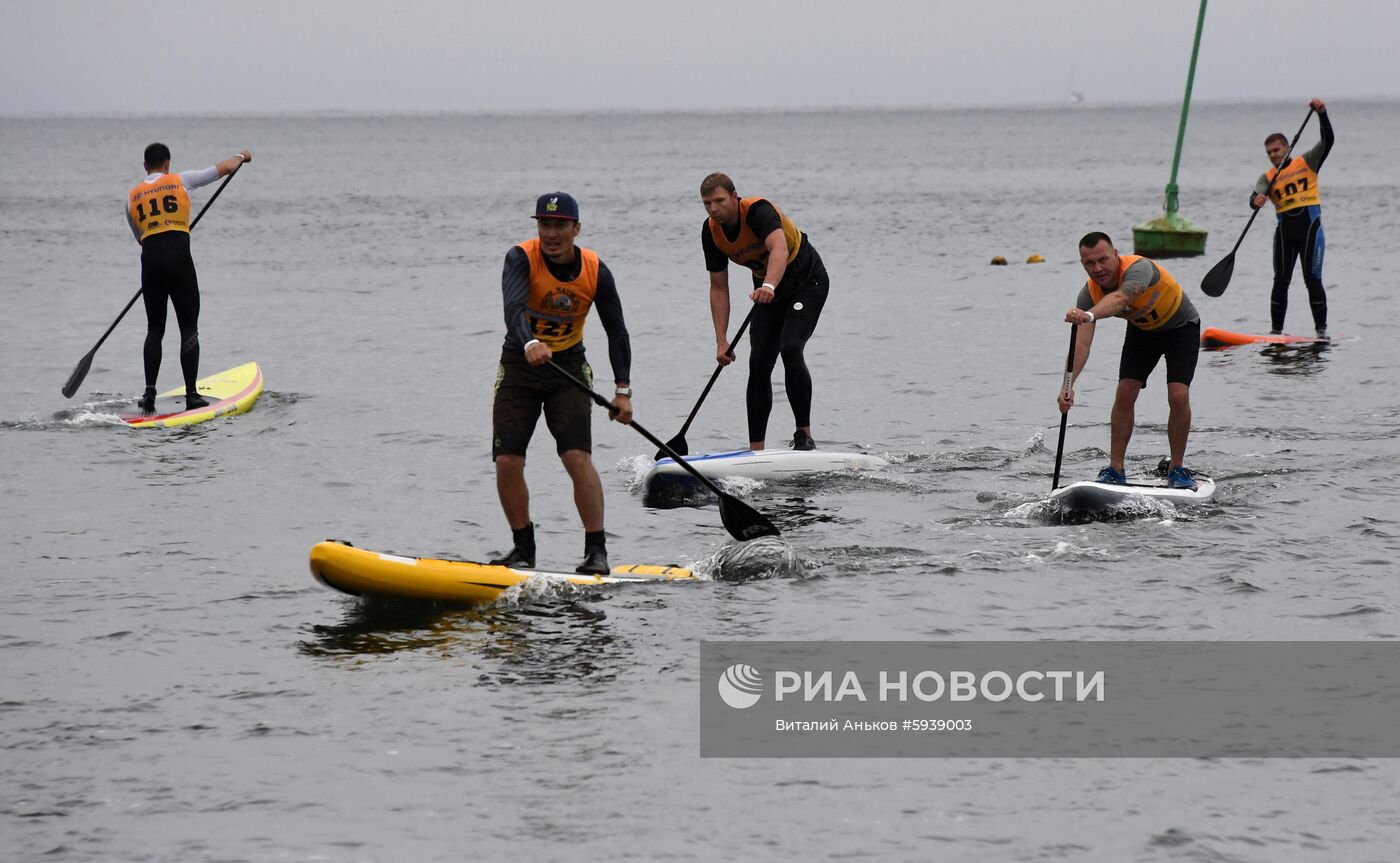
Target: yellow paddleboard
360,572
229,393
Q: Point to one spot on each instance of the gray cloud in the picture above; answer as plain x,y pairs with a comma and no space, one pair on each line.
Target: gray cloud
64,56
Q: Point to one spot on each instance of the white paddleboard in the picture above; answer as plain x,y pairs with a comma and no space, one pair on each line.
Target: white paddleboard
1090,495
764,464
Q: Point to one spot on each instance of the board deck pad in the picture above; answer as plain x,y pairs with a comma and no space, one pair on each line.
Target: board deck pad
167,406
1091,495
229,392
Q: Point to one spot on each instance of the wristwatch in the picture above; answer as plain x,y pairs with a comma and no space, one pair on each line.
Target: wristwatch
623,391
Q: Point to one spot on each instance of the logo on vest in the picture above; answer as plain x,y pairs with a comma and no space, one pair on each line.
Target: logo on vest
560,302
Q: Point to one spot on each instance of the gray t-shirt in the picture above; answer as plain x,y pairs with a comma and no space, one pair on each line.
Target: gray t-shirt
1139,277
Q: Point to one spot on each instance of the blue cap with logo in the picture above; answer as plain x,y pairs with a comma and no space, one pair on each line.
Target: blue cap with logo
556,205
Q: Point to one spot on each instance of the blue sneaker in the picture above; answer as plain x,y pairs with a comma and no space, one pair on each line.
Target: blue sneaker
1113,475
1180,477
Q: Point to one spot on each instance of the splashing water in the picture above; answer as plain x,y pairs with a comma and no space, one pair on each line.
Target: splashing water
767,557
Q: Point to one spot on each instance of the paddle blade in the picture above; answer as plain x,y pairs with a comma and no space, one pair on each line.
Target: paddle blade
1218,279
677,444
743,521
75,380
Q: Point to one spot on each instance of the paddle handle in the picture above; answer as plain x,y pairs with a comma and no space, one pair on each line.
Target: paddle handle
1278,172
1064,417
214,197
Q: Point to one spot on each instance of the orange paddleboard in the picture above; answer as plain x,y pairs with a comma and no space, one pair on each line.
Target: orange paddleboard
1214,337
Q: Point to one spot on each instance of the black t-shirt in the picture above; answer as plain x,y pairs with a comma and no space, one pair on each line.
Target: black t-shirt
762,219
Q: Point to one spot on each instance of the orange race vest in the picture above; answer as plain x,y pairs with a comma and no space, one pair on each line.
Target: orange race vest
159,206
748,249
556,309
1296,188
1153,307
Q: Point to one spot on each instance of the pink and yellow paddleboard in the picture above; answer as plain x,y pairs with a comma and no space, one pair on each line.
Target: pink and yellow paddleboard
229,392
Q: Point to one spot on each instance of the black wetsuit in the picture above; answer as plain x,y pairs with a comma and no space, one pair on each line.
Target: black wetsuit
167,273
780,328
1299,235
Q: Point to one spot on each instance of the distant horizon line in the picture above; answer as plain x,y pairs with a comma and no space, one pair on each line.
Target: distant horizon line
1068,104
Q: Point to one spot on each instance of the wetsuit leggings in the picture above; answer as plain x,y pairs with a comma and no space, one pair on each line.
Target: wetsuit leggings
167,273
781,329
1296,235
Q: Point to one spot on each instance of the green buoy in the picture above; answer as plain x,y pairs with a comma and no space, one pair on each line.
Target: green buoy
1172,235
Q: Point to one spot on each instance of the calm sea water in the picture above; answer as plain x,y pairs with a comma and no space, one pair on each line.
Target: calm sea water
175,686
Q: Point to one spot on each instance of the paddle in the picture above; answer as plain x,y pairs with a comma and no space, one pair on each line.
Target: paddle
741,520
80,371
1218,279
678,443
1064,417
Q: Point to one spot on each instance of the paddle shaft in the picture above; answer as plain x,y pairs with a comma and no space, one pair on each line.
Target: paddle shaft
678,442
741,520
1064,417
76,379
608,406
1277,174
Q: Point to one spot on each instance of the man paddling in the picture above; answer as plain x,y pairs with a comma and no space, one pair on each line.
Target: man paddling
548,285
1298,205
158,212
1161,322
790,288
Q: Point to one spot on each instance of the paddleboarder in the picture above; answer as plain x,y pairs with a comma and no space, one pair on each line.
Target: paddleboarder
790,287
1162,322
158,212
548,285
1298,204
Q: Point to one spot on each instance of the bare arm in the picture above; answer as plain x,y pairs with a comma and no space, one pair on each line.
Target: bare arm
1113,303
776,244
719,314
1082,342
229,165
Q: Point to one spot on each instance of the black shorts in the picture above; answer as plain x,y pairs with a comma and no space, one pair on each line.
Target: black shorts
522,390
1143,348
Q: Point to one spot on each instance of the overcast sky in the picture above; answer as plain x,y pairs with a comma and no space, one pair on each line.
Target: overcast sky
126,57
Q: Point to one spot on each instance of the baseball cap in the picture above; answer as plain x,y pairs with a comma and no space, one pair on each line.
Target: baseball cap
556,205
